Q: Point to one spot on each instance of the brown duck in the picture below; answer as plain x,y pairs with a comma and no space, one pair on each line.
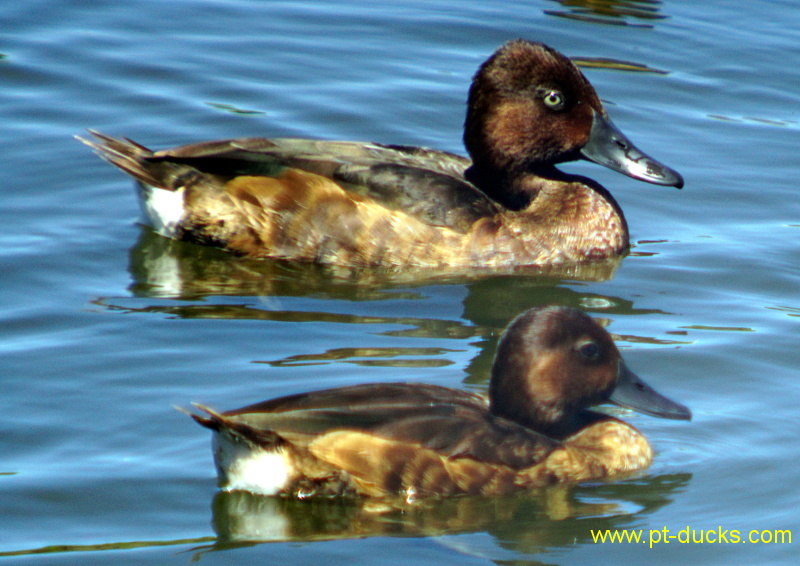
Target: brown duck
535,428
359,204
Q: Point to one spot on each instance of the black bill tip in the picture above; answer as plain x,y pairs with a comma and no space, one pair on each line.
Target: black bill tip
609,147
633,393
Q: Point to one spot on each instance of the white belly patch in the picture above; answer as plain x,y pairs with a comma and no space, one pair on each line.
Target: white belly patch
241,467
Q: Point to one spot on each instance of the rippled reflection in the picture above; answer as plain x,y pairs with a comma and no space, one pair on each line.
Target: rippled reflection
167,268
614,12
615,65
527,524
195,282
389,357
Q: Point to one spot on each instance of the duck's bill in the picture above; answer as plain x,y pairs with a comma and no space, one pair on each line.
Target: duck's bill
633,393
609,147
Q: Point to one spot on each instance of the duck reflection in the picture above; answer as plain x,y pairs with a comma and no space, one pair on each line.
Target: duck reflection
553,517
162,267
195,282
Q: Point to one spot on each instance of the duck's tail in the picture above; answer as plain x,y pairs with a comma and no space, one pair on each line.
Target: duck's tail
211,419
126,155
230,427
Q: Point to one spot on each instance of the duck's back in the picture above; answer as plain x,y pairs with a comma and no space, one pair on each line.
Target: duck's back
424,183
388,439
341,203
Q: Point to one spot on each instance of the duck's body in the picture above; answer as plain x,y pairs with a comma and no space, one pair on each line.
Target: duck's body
355,204
409,439
425,440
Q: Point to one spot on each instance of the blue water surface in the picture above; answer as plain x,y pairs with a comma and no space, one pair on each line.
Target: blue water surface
105,326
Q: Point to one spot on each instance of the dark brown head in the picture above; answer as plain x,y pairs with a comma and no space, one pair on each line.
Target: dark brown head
552,363
528,104
530,108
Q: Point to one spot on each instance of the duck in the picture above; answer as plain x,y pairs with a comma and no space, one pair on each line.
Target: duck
534,429
353,204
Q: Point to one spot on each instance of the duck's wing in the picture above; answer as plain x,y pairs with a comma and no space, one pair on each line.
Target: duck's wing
370,396
424,183
353,425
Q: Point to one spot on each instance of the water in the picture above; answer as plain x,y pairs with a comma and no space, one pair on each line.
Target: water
104,326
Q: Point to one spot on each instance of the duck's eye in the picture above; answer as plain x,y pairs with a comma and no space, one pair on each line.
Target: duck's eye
554,100
589,351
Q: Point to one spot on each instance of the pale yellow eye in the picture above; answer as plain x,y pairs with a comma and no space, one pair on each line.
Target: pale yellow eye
554,100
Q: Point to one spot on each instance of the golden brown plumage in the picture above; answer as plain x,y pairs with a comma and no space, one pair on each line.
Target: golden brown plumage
424,440
355,204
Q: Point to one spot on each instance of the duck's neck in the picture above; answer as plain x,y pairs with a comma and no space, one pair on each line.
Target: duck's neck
501,186
565,427
516,189
570,424
554,419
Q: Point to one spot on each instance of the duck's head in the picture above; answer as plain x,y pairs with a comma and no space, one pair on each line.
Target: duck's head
530,108
552,363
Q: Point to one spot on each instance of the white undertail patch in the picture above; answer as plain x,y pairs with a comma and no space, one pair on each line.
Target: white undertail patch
242,467
164,209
